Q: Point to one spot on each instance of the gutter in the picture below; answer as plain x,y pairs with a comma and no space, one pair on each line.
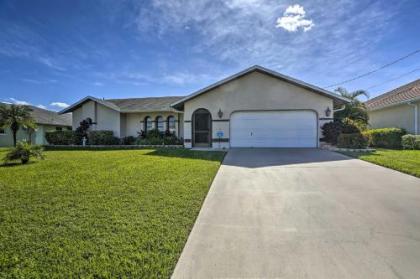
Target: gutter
416,116
340,109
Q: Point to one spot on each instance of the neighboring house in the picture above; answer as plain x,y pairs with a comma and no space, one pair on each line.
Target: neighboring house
46,120
253,108
397,108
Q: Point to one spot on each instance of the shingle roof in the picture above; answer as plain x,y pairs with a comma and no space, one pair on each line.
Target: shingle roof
48,117
402,94
145,104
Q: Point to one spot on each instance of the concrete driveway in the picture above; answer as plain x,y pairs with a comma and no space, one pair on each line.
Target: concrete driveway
305,213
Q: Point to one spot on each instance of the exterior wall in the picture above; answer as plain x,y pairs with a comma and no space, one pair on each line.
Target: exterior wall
134,122
105,118
38,137
255,91
401,116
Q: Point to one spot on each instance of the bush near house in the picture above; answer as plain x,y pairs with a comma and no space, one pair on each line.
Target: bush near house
130,140
60,137
332,130
102,137
155,137
385,137
354,140
410,142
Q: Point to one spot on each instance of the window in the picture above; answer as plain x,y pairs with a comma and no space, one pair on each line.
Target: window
58,128
160,124
68,128
148,124
171,124
2,131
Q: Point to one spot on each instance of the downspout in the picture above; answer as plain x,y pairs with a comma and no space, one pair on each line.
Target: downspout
340,109
416,117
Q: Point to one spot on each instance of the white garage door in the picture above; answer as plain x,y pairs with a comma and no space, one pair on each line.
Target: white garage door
273,129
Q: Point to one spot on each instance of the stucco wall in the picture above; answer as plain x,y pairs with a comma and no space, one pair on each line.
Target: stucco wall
401,116
38,137
255,91
105,118
134,122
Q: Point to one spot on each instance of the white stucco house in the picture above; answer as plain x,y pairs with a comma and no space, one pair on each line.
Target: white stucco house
256,107
397,108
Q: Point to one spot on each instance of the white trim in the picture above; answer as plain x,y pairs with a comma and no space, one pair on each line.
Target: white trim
266,71
416,117
89,98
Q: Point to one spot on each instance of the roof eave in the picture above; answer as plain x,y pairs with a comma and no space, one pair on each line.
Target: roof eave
395,104
266,71
85,99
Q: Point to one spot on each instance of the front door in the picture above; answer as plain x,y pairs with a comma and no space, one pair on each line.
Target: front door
202,128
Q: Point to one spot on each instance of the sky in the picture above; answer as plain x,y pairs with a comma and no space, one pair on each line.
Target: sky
53,53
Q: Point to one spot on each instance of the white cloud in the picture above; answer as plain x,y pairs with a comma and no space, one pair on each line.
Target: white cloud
97,83
59,105
293,19
42,106
19,102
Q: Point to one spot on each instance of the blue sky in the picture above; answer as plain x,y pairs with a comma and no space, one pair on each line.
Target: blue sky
53,53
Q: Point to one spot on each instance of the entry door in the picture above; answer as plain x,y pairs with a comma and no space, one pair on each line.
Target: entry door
274,129
202,128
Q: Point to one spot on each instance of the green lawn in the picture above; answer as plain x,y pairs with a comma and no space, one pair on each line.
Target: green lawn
101,214
407,161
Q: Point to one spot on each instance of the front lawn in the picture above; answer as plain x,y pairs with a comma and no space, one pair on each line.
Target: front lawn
407,161
101,214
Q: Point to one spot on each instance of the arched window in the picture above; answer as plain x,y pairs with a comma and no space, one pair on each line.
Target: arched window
160,124
171,124
148,124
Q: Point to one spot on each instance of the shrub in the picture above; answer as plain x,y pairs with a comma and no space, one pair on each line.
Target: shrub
410,141
386,137
60,137
350,126
102,137
331,130
155,137
23,152
355,140
130,140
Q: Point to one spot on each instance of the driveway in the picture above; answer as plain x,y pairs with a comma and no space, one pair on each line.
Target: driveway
305,213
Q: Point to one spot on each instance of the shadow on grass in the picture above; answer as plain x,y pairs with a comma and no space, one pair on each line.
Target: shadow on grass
14,164
189,154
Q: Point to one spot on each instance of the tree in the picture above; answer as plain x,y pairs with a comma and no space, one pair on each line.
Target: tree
355,110
23,151
14,117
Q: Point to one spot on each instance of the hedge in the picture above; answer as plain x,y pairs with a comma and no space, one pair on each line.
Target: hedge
411,142
102,137
385,137
355,140
60,137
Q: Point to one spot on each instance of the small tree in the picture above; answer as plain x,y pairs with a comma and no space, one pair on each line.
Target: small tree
30,127
355,110
23,152
14,117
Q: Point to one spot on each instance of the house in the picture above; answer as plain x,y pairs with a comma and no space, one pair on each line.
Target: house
397,108
256,107
46,121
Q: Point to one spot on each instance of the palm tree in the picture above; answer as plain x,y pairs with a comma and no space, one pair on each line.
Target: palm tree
355,110
14,117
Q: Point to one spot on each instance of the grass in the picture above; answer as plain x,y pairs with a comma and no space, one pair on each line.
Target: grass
407,161
101,214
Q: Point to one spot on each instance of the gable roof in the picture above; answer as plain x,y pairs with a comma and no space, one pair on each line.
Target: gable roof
145,104
272,73
403,94
48,117
130,104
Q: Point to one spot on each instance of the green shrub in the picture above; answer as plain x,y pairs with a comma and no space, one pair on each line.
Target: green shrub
410,141
350,126
23,152
385,137
331,130
102,137
355,140
60,137
130,140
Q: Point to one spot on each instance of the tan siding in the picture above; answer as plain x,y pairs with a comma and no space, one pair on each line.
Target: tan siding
401,116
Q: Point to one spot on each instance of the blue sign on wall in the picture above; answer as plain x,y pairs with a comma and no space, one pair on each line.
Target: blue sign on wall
219,134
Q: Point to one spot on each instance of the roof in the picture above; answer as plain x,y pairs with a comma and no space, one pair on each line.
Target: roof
272,73
403,94
48,117
130,104
145,104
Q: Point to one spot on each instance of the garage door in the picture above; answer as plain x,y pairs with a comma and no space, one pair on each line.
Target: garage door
273,129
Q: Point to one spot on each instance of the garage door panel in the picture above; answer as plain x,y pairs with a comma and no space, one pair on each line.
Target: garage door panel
274,129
